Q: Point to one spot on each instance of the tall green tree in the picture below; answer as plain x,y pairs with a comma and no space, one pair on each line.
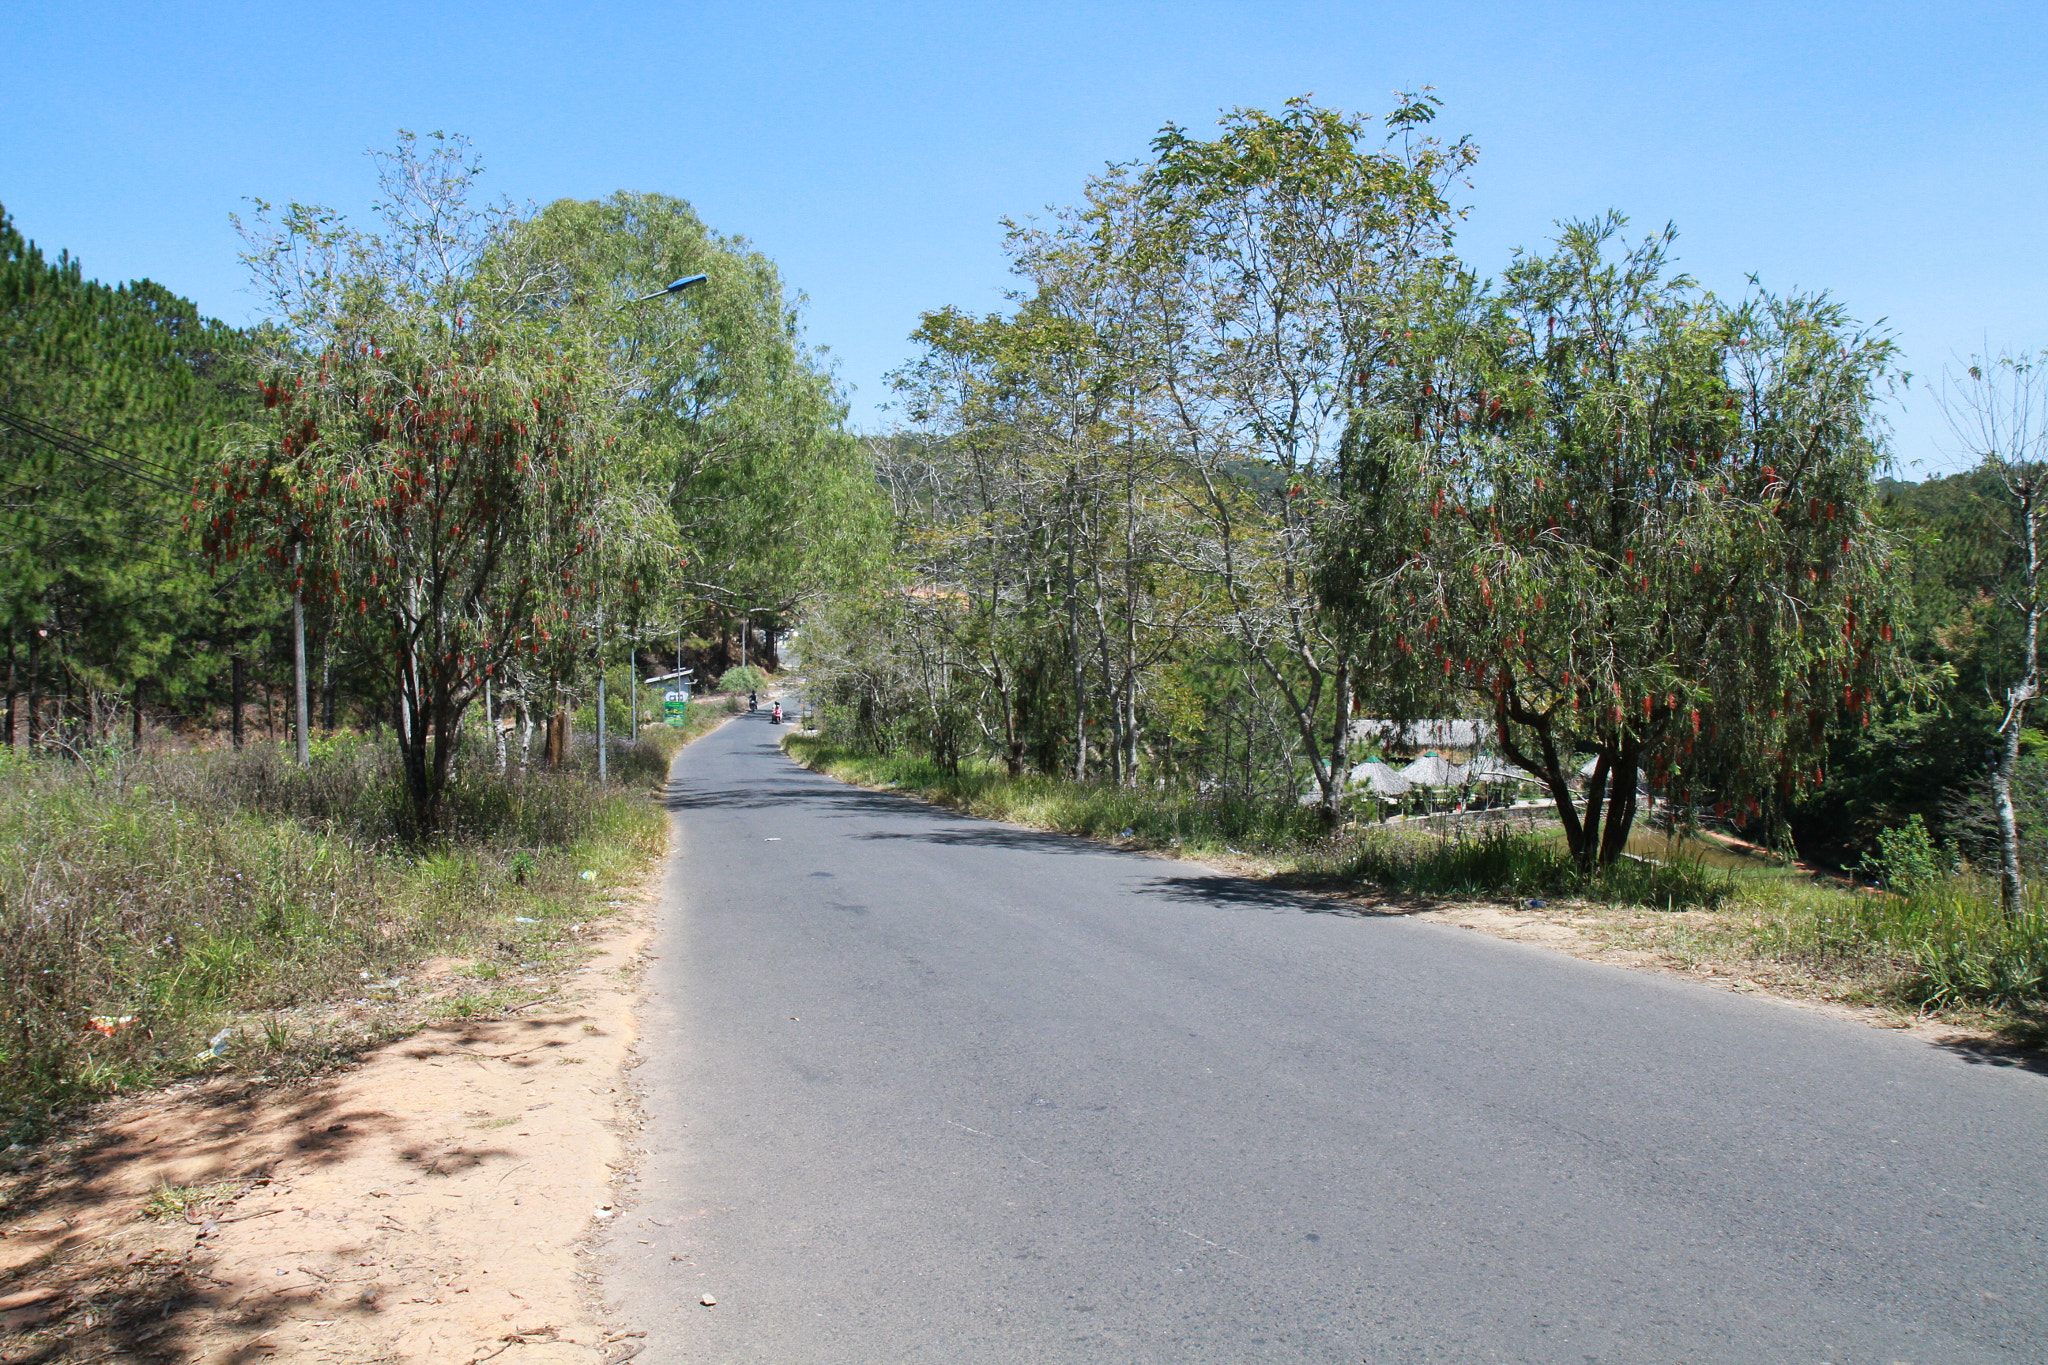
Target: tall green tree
111,400
431,464
725,418
1290,245
1650,537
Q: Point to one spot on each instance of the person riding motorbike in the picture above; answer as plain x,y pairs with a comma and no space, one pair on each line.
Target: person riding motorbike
776,719
753,703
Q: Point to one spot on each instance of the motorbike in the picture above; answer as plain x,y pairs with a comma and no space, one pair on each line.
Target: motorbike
776,718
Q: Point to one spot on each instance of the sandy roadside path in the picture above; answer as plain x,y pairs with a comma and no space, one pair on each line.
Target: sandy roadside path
425,1206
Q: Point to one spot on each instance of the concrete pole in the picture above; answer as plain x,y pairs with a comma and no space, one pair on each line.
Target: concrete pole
299,661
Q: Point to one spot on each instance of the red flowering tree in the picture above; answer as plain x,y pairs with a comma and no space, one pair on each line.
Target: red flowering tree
444,495
1641,536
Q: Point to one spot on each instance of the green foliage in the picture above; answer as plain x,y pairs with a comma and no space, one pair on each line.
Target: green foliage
1945,944
112,399
747,678
1171,817
735,429
1647,530
1908,860
430,469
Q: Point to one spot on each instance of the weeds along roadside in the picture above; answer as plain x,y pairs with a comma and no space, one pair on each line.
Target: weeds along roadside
1942,945
167,916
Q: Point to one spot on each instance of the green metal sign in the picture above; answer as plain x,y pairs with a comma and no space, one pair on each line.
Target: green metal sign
675,707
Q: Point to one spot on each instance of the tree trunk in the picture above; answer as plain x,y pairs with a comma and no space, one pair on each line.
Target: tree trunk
327,680
1080,666
556,751
497,730
2011,886
1621,802
35,689
237,687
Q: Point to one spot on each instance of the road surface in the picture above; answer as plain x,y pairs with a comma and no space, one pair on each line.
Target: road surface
926,1088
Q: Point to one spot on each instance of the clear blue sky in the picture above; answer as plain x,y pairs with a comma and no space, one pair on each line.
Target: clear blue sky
1892,153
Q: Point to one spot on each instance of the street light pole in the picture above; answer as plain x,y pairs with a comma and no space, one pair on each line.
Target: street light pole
603,766
674,288
302,711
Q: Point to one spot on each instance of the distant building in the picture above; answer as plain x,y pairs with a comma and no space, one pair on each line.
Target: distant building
1457,740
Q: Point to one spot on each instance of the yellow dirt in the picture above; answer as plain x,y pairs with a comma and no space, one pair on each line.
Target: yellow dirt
425,1206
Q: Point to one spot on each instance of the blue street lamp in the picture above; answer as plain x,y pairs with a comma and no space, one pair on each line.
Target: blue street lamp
678,287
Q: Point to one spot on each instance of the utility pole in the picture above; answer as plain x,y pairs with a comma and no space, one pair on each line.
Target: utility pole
602,769
304,714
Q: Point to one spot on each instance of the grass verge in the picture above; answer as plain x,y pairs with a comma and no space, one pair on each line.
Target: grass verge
163,917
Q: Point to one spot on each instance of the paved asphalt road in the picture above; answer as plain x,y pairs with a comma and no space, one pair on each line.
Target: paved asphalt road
924,1088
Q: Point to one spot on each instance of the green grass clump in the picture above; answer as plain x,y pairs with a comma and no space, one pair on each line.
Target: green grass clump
1496,862
158,915
1944,944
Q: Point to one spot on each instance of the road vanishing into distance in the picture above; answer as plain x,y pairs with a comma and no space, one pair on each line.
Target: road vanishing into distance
925,1088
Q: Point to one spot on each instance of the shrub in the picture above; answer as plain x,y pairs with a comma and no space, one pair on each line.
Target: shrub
746,678
1908,860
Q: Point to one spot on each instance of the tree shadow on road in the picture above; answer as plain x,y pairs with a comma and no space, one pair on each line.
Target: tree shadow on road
1300,897
992,835
2022,1054
782,793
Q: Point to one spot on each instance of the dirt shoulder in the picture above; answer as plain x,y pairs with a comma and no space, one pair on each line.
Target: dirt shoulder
427,1205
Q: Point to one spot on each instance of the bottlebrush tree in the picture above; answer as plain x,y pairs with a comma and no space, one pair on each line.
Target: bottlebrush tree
1643,532
445,496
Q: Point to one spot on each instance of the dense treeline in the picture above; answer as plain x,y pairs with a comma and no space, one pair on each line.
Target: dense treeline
1256,456
111,401
477,452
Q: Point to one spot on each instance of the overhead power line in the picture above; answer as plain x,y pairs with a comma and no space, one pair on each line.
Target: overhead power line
92,452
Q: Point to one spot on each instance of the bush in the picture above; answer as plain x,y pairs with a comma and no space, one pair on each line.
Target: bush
1907,859
746,678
